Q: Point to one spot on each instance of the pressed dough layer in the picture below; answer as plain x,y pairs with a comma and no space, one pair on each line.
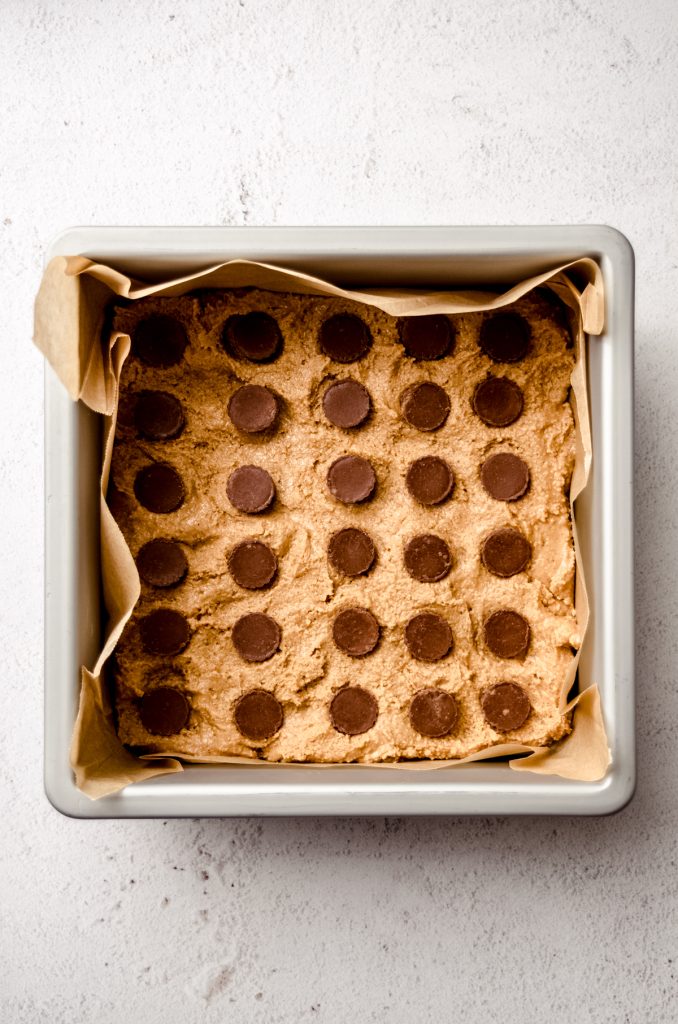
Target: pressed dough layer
308,669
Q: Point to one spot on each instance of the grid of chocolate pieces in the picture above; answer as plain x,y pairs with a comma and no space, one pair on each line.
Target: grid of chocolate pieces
159,341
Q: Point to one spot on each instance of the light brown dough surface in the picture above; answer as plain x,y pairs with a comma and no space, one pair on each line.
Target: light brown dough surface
308,669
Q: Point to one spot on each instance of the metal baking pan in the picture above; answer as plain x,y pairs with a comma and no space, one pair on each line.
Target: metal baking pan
411,257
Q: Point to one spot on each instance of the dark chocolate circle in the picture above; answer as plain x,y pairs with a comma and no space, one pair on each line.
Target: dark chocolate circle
345,338
428,637
162,563
429,480
505,476
250,489
428,558
426,337
506,552
346,404
164,631
425,406
355,631
507,634
258,715
252,336
498,401
164,711
159,340
353,711
506,706
253,408
159,488
351,551
256,637
351,479
433,712
505,337
252,564
158,416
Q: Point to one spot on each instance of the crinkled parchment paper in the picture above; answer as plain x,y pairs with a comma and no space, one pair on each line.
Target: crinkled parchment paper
69,330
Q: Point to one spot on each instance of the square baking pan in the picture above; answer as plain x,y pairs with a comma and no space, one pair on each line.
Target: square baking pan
416,257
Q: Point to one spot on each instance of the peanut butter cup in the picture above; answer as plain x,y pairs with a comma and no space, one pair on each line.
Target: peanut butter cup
433,712
353,711
164,711
505,477
351,479
256,637
164,631
498,401
428,637
429,480
159,341
351,551
159,488
253,408
162,563
346,404
253,336
158,416
506,552
258,715
345,338
505,337
426,337
250,489
507,634
425,406
355,631
252,564
506,706
428,558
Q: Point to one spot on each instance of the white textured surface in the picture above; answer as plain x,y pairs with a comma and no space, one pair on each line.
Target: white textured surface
339,112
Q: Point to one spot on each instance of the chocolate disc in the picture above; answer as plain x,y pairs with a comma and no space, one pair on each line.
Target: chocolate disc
162,563
164,711
258,715
252,336
252,564
351,479
158,416
429,480
426,337
507,634
506,706
353,711
355,631
159,488
159,340
346,404
505,337
428,558
498,401
253,408
505,476
351,551
250,489
425,406
506,552
433,712
345,338
164,631
256,637
428,637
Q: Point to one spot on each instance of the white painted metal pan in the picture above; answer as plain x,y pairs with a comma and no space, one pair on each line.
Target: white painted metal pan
364,257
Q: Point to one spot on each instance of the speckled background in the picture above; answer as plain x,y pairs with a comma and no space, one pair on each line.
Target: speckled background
296,112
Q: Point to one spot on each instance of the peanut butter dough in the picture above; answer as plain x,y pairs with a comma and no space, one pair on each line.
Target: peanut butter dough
221,381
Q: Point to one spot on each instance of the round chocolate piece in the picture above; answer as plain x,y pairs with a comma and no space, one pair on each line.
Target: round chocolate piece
252,564
351,479
353,711
505,476
351,551
253,408
355,631
425,406
159,488
256,637
506,706
506,552
429,480
162,563
345,338
252,336
428,558
158,416
426,337
498,401
258,715
428,637
346,404
505,337
507,634
159,341
164,631
250,489
433,712
164,711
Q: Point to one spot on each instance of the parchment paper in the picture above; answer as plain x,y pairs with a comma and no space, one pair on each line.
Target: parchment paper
69,329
